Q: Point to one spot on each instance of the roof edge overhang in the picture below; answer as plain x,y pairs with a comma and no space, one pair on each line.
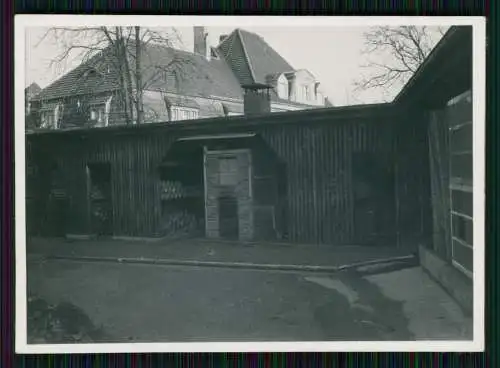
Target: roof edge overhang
330,115
446,72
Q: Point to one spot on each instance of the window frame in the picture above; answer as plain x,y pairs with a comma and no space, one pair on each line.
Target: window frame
460,187
182,113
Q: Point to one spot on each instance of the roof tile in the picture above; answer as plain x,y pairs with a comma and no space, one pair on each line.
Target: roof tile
164,68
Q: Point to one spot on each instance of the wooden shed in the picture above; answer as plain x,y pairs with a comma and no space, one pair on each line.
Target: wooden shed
341,175
311,176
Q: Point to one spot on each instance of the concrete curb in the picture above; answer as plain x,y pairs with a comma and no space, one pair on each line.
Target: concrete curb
235,265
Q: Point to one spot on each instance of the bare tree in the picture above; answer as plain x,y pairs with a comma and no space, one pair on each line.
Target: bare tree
393,54
125,49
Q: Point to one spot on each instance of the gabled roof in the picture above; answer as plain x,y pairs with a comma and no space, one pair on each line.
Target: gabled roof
244,58
251,58
79,82
196,76
164,68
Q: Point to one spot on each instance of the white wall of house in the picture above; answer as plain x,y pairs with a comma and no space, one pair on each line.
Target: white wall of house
208,107
282,87
304,89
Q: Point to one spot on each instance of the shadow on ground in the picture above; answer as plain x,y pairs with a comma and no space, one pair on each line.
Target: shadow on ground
369,316
60,323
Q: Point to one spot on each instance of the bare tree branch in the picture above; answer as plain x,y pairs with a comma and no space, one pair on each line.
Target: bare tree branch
125,52
393,54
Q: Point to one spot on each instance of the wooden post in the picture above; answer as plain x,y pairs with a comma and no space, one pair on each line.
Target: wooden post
205,189
396,191
89,190
315,194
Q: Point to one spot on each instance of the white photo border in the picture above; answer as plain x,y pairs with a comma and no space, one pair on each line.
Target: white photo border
479,100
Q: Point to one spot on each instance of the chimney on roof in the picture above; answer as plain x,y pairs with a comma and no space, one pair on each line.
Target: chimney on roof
222,38
257,99
201,46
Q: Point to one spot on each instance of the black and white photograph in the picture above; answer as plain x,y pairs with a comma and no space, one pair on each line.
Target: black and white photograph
249,183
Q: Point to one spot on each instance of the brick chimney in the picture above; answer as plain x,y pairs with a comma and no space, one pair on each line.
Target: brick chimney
201,46
222,38
257,99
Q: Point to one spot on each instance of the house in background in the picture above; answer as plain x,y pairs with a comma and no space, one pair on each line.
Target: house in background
210,81
29,93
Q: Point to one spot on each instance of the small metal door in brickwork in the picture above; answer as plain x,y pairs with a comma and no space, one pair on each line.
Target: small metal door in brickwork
228,199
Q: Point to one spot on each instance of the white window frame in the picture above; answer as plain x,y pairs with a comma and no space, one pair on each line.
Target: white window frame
99,113
184,113
283,89
459,187
49,118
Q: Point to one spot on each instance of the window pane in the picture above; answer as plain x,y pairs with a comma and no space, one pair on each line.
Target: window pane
461,139
463,229
459,113
462,202
463,255
461,166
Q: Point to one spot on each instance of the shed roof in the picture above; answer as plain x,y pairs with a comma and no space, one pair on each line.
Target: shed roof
331,115
446,72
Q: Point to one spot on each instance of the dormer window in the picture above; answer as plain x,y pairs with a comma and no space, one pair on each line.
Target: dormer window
99,109
97,114
283,87
307,95
89,73
50,115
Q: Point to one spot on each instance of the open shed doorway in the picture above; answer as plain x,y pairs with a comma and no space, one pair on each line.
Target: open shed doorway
182,191
100,198
374,199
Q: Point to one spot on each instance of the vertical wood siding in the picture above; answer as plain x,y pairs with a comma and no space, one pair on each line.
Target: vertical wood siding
319,173
414,188
320,206
134,179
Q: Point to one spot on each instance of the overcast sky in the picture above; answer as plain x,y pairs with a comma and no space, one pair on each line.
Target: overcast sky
331,54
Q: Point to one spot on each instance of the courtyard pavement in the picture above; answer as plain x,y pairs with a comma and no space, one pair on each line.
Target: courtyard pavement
152,303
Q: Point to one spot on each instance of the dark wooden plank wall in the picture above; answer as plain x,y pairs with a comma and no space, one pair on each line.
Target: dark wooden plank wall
440,181
414,215
135,185
318,157
266,204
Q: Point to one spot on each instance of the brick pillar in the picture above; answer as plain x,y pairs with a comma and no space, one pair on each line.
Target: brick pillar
212,195
241,191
